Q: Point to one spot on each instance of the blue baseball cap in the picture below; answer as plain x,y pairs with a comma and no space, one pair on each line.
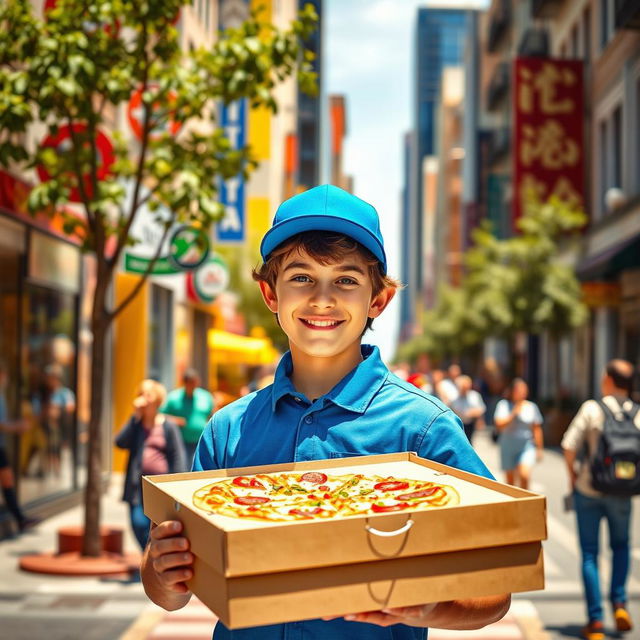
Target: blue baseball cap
326,208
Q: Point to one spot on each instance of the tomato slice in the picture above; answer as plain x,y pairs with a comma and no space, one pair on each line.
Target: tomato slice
314,477
422,493
249,500
247,483
391,485
386,508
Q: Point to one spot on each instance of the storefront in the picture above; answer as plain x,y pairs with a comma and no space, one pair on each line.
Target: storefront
44,311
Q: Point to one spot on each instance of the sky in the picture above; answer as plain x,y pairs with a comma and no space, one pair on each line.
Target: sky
368,58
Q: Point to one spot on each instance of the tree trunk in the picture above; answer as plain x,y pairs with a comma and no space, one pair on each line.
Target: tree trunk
93,494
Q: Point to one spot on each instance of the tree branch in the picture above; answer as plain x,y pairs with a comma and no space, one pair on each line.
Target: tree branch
143,278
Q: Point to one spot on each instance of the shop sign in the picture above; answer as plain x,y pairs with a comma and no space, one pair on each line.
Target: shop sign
61,143
208,281
233,119
548,131
188,248
601,294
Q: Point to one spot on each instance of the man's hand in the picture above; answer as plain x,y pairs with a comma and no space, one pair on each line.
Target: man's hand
166,566
417,616
472,613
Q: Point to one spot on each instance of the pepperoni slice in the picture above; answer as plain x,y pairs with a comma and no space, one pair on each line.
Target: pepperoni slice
249,500
422,493
247,483
386,508
315,477
391,485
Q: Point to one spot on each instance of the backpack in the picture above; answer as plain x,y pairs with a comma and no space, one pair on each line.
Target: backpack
615,466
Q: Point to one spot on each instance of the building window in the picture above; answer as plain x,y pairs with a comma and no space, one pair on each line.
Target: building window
604,181
586,35
160,336
616,133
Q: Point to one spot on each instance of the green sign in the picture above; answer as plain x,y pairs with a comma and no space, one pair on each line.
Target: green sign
137,264
188,248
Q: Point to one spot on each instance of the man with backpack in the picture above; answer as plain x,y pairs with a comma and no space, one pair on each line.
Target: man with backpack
602,451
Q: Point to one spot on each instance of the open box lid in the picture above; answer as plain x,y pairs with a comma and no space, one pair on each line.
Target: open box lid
490,514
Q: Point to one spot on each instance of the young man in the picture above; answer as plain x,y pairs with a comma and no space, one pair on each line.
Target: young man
189,407
592,506
324,276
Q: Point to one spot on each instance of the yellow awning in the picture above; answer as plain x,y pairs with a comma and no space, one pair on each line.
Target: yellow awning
232,348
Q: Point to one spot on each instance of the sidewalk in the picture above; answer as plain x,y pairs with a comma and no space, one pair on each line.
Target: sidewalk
56,607
196,622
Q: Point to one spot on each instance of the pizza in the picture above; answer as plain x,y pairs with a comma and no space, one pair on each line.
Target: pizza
314,495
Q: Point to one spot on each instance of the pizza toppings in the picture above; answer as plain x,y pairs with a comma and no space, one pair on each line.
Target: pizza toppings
250,500
391,485
248,483
386,508
315,495
423,493
315,477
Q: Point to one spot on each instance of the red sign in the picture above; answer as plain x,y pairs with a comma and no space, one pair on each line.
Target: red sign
61,142
548,127
136,113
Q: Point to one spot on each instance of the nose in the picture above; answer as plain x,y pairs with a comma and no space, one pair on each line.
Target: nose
322,297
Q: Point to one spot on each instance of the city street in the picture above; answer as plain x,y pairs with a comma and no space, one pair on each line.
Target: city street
35,606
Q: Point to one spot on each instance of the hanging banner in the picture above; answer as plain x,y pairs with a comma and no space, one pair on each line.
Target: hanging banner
233,119
548,131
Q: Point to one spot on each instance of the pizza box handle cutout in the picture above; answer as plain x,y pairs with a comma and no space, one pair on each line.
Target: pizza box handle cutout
389,534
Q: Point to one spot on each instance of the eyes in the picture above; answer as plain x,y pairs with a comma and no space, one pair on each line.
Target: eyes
344,281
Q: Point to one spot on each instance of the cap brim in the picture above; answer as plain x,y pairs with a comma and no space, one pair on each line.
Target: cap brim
286,229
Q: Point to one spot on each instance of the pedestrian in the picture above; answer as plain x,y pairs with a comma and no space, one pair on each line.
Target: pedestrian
519,422
155,446
189,406
591,506
447,389
324,275
468,406
59,408
7,480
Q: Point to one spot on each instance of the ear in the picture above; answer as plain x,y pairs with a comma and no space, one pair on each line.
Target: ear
380,302
268,295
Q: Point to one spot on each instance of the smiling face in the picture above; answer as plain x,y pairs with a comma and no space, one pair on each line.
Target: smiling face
323,308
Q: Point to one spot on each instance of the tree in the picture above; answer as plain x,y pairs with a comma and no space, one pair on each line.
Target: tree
510,286
72,70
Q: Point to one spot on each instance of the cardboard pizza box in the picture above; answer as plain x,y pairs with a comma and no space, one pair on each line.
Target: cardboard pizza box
251,572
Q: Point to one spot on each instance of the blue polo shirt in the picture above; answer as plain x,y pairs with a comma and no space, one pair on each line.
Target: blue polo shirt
369,411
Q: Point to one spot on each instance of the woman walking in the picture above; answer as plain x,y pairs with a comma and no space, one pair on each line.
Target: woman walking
155,446
519,422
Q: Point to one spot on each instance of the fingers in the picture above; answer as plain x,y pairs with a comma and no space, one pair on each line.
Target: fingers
170,556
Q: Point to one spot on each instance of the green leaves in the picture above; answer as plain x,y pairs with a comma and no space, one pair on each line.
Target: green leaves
510,286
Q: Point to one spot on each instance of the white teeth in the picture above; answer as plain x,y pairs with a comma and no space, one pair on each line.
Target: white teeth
322,323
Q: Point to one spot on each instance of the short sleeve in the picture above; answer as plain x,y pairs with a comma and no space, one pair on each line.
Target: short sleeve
502,409
444,441
537,415
574,436
478,402
205,455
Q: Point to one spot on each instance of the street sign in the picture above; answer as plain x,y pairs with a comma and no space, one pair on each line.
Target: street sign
208,281
188,248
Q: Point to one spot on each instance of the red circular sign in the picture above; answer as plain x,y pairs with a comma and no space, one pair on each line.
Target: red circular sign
62,141
136,112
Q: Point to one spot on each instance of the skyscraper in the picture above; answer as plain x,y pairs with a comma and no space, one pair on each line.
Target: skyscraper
439,42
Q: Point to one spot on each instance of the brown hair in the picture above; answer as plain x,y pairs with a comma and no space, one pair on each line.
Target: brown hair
325,247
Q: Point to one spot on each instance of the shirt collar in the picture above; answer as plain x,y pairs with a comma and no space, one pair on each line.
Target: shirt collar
354,392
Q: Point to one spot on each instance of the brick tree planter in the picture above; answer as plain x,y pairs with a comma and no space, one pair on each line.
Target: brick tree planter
68,561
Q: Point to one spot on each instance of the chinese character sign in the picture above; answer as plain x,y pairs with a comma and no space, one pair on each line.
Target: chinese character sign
548,131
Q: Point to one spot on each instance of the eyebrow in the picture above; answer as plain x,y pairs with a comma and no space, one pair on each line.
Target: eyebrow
306,265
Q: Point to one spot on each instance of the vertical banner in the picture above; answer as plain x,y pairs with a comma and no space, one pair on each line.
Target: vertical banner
548,131
233,119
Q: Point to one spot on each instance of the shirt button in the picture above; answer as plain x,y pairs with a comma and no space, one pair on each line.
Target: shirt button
297,399
308,419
